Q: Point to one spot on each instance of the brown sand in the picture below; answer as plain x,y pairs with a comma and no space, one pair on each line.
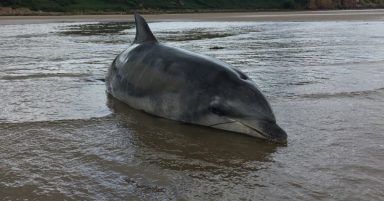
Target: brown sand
334,15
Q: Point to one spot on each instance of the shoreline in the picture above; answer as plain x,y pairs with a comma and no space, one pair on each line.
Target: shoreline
271,16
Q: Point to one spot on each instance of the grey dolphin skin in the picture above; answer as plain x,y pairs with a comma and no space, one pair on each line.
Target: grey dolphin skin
184,86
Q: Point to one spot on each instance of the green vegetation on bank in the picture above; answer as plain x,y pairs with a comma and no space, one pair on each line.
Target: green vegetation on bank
129,5
344,4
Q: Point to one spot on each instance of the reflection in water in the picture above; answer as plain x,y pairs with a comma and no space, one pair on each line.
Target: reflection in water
136,154
106,28
193,34
189,142
193,157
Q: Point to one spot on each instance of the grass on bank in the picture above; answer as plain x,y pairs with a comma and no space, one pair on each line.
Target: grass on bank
128,5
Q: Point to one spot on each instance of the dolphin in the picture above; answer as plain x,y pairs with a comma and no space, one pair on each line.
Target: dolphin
188,87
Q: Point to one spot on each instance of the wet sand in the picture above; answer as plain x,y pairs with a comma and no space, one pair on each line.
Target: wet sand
334,15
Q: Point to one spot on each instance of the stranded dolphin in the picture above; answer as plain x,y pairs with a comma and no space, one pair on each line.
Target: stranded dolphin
184,86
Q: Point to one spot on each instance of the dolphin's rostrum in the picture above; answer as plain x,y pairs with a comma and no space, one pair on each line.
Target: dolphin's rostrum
184,86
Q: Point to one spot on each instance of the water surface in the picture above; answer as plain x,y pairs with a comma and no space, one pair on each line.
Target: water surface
62,137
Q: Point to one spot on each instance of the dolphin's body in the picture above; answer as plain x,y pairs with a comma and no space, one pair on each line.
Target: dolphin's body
184,86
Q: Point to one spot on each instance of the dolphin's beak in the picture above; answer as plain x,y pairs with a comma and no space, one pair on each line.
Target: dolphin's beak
265,130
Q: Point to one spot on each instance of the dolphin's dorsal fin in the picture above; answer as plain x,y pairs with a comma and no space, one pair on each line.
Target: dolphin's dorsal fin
143,32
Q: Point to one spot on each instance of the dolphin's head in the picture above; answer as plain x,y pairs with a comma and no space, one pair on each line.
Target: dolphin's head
235,104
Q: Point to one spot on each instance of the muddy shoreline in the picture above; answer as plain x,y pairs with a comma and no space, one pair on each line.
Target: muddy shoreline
339,15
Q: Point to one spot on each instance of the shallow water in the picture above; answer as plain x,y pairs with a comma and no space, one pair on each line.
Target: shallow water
62,137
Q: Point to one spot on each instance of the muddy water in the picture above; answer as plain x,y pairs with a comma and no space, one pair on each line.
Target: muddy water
62,137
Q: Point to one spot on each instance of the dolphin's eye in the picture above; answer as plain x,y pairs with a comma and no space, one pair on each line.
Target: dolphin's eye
218,111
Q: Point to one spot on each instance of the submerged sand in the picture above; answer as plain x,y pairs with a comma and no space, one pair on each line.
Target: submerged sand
334,15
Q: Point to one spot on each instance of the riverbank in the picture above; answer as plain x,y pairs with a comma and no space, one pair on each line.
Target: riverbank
339,15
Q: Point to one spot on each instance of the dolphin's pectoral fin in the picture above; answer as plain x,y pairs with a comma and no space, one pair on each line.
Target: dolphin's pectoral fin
143,32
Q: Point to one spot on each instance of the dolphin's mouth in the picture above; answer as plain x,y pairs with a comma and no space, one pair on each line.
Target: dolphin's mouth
227,122
245,128
239,127
254,129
